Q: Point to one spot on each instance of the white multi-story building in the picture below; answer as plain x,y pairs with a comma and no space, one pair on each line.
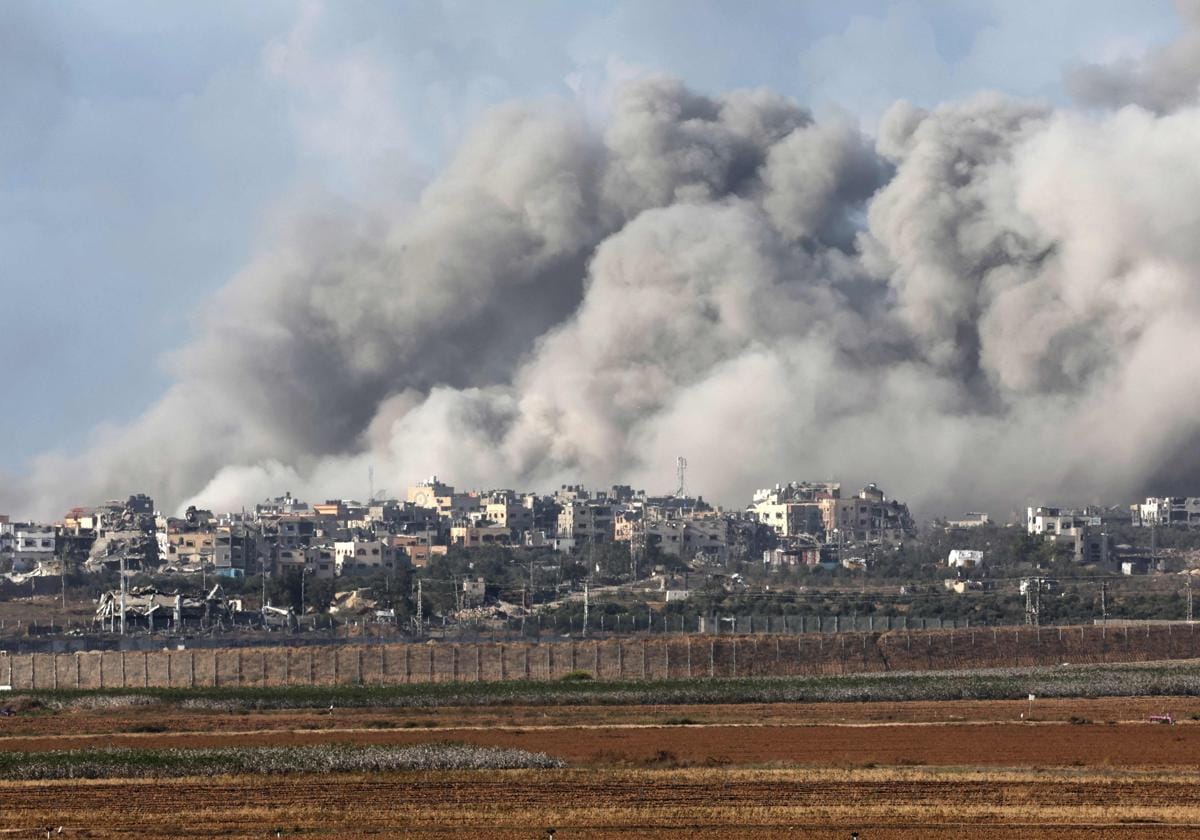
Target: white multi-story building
974,519
315,560
32,544
362,556
710,536
1055,522
1167,510
965,558
805,508
475,536
510,513
585,522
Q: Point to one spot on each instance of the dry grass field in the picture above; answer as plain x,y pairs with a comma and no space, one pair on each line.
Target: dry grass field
164,718
1081,768
610,802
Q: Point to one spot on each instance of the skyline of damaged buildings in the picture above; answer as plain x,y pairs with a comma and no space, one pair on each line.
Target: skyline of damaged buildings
798,523
329,539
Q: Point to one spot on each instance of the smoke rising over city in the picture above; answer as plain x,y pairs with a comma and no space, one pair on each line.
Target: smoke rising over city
978,304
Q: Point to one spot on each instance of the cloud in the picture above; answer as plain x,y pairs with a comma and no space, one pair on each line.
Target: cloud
1161,79
986,303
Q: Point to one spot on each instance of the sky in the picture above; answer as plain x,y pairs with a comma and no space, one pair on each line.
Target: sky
148,150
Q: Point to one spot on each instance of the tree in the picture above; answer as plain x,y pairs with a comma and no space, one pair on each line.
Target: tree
318,594
574,572
612,560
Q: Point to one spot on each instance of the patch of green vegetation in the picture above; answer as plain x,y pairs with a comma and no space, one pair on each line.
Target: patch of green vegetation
328,758
1116,680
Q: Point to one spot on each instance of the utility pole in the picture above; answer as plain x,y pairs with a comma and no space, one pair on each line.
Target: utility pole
1104,603
122,595
1032,587
420,608
1189,598
585,607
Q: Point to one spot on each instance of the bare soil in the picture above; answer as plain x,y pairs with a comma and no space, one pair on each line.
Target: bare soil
163,718
612,803
886,770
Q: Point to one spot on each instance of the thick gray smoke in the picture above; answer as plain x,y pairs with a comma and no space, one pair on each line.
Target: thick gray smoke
987,304
1161,80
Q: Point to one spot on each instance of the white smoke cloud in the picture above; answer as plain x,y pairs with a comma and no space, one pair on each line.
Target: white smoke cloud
1161,79
991,303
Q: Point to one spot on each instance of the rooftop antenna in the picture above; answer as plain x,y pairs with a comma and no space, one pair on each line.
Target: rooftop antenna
680,470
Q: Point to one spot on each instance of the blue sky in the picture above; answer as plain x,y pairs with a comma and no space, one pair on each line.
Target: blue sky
148,149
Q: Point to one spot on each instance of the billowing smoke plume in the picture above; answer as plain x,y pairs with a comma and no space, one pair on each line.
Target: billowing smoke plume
986,304
1162,80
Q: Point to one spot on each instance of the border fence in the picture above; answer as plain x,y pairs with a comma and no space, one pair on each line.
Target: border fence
65,637
626,658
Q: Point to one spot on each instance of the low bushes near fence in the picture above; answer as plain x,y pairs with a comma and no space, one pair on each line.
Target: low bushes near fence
1116,680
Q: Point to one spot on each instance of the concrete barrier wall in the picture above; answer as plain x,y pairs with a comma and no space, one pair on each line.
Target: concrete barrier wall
634,658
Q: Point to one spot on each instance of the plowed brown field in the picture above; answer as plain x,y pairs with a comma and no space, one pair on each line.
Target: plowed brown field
165,718
886,770
985,745
620,803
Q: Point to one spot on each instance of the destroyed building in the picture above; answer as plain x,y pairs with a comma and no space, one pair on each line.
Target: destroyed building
126,534
818,509
155,610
